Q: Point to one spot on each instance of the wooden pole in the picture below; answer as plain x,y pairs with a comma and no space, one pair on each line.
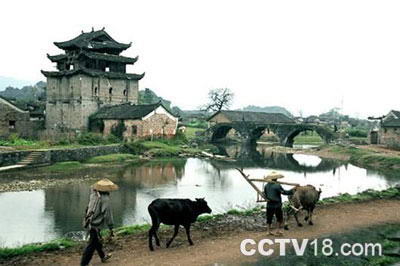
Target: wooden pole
246,177
279,182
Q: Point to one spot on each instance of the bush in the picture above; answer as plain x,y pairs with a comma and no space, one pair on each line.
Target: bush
179,138
197,123
112,139
359,133
136,147
90,139
119,130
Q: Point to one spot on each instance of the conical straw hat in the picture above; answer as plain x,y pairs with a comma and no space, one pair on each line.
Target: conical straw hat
273,175
105,185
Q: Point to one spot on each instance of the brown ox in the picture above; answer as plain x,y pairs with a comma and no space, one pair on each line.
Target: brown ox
303,198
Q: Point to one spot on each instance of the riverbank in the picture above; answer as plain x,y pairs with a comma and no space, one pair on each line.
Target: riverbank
365,156
130,242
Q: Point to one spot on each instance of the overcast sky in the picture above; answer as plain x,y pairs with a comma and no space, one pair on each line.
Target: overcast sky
303,55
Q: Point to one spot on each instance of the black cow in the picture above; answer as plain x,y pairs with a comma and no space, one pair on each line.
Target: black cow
175,212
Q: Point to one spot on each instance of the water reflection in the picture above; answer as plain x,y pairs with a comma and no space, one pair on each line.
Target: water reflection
46,214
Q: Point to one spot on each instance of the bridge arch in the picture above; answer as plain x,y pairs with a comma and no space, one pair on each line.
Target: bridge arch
251,132
220,131
324,133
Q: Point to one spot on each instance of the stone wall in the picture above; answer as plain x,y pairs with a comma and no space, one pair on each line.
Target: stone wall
71,100
11,158
20,119
390,137
60,155
81,154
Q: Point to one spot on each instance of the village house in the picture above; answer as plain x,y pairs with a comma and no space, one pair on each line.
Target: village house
132,121
90,74
389,132
16,120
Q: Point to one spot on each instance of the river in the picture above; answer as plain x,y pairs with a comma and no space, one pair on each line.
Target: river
46,214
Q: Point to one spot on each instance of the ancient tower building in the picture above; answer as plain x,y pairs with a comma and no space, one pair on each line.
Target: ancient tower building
90,74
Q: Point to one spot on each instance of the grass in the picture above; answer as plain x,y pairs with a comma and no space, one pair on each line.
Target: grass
190,132
367,158
86,139
111,158
368,194
63,166
6,253
315,139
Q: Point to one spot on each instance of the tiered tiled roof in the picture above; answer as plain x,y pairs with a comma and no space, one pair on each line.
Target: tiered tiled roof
93,73
94,40
93,53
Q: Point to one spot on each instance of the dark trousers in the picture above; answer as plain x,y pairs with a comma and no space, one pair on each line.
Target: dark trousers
94,244
274,210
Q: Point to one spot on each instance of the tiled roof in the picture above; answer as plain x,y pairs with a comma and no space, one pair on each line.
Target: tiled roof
99,56
92,41
390,120
126,111
258,117
93,73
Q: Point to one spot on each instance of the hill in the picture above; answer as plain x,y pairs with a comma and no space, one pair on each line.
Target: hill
26,93
12,82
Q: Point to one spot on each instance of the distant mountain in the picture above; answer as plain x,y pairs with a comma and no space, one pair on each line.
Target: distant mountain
12,82
267,109
26,93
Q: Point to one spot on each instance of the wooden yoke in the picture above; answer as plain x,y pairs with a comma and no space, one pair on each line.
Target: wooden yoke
260,195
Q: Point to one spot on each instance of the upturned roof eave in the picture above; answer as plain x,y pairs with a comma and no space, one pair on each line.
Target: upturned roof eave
111,75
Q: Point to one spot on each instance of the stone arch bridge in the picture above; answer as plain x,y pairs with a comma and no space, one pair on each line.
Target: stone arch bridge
252,131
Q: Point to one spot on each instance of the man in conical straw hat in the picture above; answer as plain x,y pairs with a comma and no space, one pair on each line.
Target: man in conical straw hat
273,191
98,215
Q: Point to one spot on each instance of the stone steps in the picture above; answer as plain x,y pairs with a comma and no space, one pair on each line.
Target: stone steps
30,159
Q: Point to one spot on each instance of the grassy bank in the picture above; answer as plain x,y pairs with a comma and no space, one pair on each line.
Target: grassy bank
113,158
367,158
86,139
6,253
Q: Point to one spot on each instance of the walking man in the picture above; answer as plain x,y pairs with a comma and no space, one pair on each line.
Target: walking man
273,191
98,215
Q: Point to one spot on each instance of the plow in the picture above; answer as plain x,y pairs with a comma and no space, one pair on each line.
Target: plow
261,197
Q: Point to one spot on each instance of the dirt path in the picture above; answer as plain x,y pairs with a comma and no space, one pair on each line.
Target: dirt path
224,247
380,149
